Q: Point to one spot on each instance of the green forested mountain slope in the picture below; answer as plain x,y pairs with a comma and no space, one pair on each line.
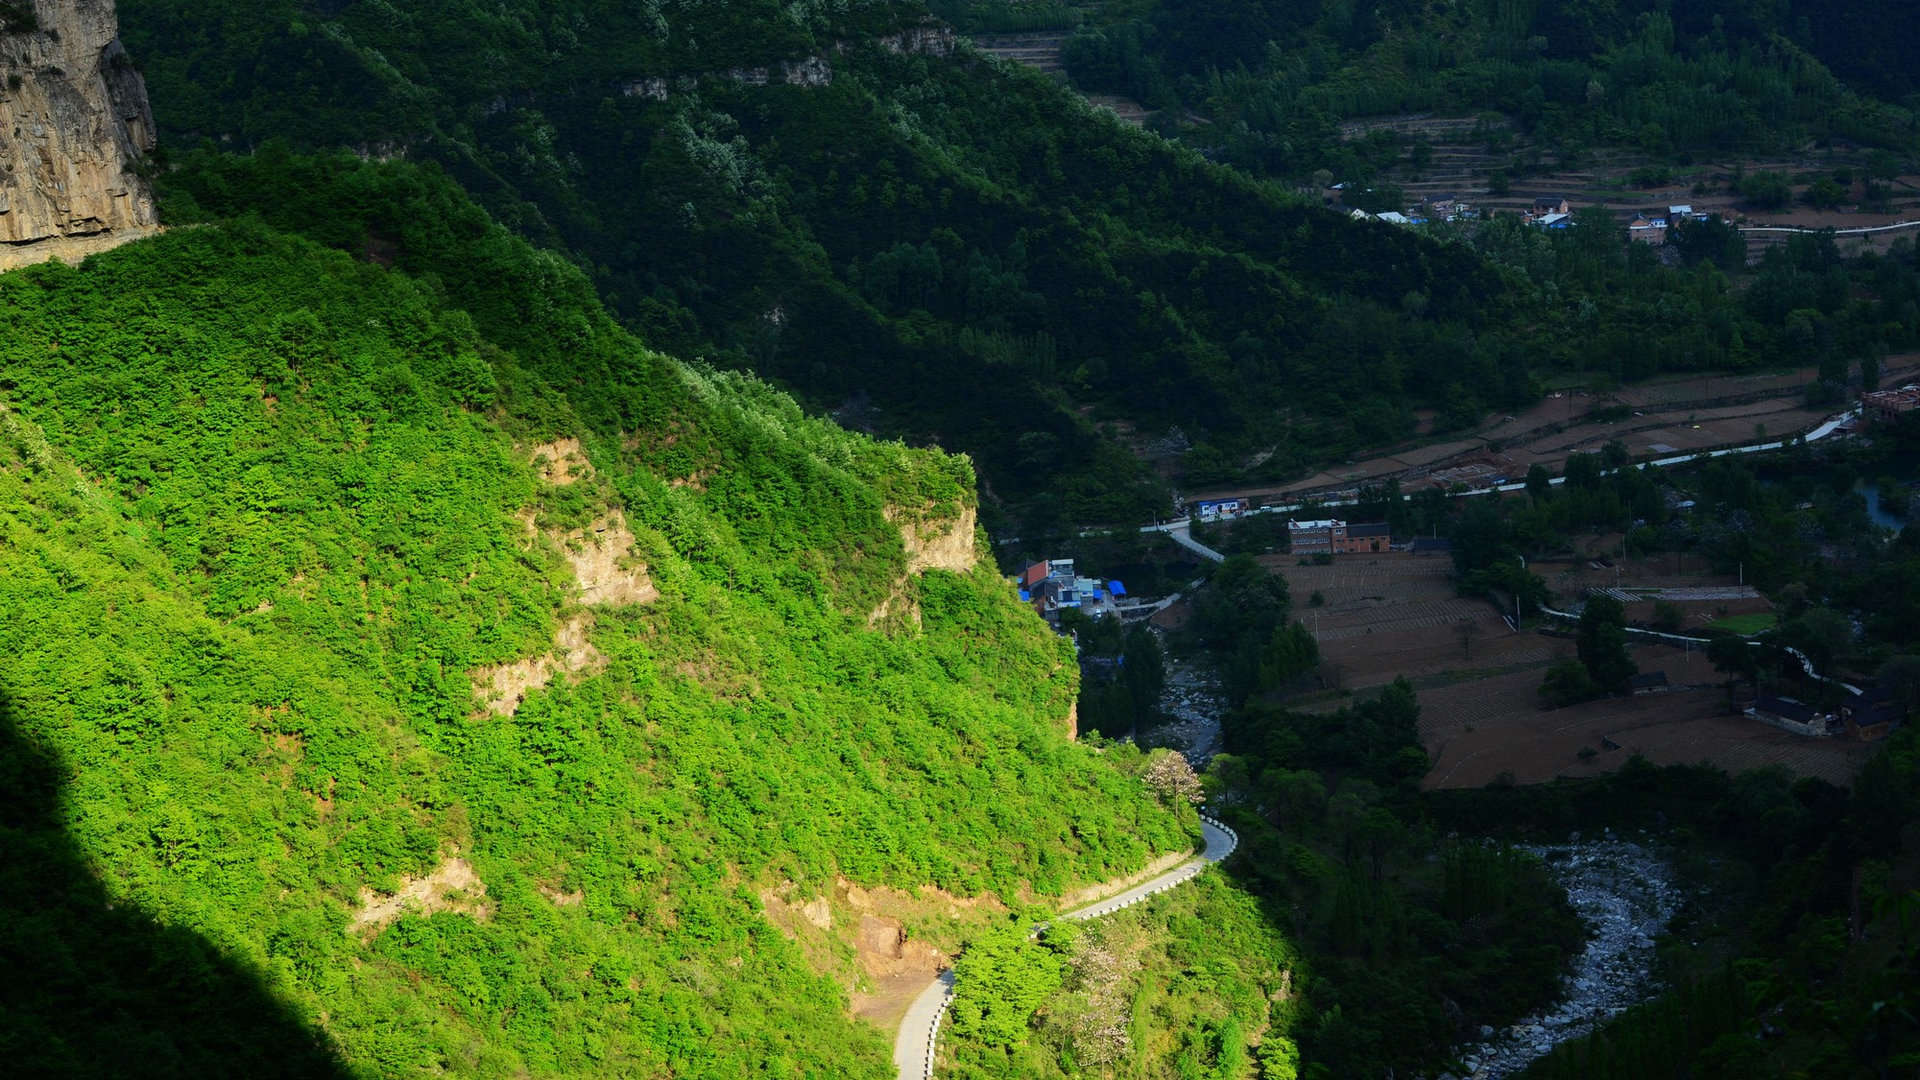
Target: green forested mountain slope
1673,79
944,248
271,520
949,249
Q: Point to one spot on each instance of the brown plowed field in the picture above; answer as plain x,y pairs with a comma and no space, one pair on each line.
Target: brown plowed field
1478,731
1395,614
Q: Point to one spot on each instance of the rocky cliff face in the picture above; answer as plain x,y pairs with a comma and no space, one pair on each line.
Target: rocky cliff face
74,120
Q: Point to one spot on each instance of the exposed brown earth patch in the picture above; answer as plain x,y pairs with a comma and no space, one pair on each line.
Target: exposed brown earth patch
887,1003
602,565
885,945
452,886
563,899
861,938
502,687
939,545
323,804
930,545
561,462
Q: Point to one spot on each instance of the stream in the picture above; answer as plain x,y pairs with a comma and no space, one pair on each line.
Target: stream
1623,891
1191,702
1626,895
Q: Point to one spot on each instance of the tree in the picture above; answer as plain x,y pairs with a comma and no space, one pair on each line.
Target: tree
1294,798
1000,980
1583,470
1171,778
1602,644
1714,240
1539,483
1825,194
1824,634
1143,671
1901,676
1668,616
1766,190
1567,683
1291,653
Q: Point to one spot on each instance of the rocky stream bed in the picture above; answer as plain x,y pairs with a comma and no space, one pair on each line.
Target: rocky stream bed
1621,889
1626,895
1192,701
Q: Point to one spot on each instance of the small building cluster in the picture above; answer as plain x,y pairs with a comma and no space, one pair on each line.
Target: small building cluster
1054,586
1336,537
1550,212
1221,509
1437,208
1650,226
1868,715
1886,406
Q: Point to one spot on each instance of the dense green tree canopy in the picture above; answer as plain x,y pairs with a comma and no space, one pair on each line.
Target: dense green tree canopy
273,517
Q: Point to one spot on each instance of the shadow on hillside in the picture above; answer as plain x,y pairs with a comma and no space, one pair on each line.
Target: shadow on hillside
91,990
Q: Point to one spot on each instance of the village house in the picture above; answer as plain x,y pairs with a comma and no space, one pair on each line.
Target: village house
1792,714
1886,406
1054,586
1333,536
1871,714
1365,539
1546,205
1648,230
1315,537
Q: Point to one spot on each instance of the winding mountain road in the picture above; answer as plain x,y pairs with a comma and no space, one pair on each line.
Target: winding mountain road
914,1046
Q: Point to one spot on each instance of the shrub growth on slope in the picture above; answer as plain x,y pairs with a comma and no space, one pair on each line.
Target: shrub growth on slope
274,521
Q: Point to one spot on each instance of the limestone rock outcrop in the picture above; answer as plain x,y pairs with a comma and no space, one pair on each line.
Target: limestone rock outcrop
74,123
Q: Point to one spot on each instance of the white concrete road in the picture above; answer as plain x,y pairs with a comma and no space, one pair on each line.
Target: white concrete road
1172,528
919,1037
913,1047
1220,844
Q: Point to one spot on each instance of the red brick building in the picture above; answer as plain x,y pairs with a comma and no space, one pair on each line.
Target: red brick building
1364,539
1885,406
1335,537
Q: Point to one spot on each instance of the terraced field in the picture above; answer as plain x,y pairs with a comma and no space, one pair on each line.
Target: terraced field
1396,614
1478,732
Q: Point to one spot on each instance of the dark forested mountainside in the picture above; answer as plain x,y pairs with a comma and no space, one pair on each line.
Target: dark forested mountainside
938,247
1272,82
426,677
950,250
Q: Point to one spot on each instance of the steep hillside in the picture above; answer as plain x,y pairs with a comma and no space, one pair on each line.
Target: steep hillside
932,245
430,678
1272,84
